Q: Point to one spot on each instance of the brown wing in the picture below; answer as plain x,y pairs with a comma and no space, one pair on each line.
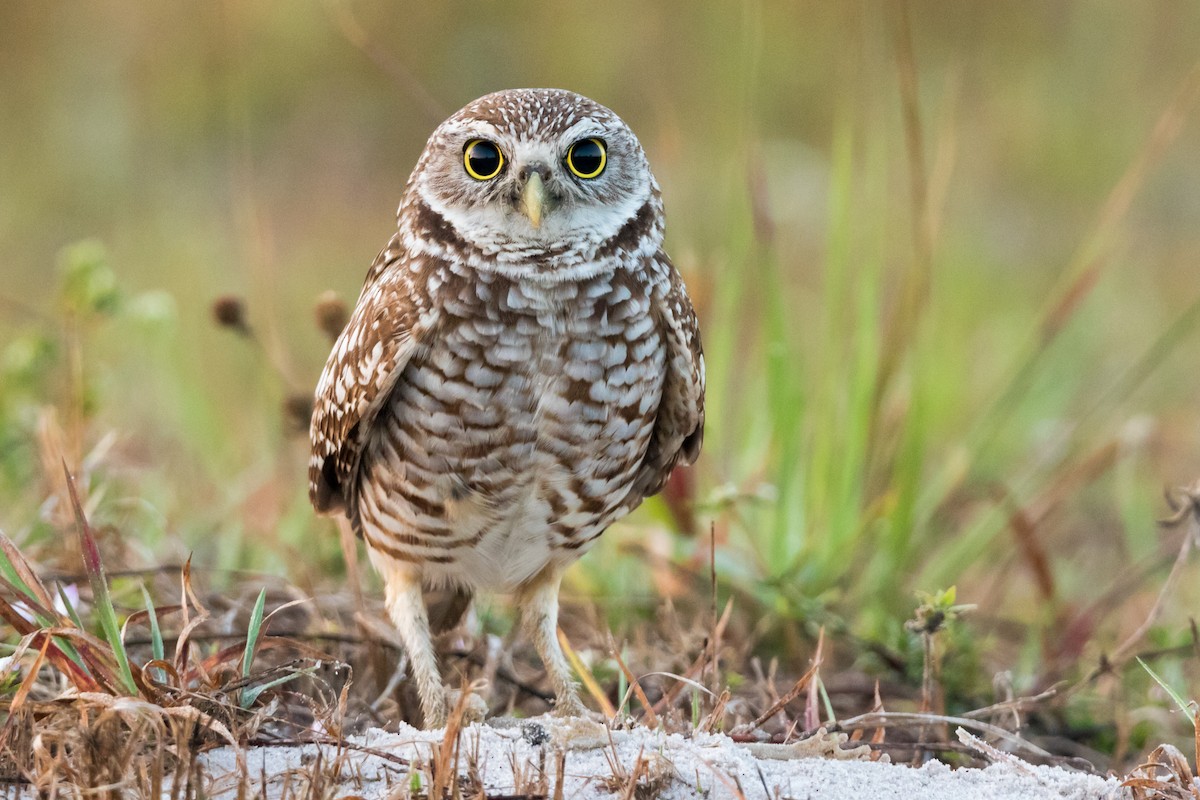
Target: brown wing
392,316
679,425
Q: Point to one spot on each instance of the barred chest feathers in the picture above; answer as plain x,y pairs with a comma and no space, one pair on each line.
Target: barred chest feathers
513,439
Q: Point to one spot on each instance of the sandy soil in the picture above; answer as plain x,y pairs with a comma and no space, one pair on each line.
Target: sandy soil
523,758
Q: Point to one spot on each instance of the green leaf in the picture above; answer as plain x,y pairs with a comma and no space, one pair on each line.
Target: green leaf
71,612
156,640
251,693
63,644
94,567
89,284
1184,705
252,632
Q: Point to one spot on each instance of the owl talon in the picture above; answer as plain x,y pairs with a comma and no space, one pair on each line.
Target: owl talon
570,706
583,732
434,720
475,708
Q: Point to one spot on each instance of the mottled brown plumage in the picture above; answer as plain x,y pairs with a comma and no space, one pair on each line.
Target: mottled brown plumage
523,367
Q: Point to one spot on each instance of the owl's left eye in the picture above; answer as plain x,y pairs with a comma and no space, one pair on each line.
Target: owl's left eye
482,159
587,158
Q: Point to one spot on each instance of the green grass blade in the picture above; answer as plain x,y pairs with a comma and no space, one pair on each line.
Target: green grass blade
830,717
63,644
1184,705
156,640
252,633
251,693
94,567
20,574
71,612
8,571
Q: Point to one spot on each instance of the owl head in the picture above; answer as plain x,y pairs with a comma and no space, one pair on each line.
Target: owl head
528,170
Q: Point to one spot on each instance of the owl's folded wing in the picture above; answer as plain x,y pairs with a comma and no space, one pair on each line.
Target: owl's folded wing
388,324
679,425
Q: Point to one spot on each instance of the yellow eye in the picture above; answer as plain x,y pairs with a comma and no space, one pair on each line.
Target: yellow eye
587,158
482,159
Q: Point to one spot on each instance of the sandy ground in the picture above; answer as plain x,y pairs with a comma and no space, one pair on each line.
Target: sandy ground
511,760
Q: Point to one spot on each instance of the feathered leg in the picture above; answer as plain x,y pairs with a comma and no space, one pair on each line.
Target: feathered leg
538,604
406,607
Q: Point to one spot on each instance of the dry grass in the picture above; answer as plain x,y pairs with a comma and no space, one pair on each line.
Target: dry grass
131,711
67,729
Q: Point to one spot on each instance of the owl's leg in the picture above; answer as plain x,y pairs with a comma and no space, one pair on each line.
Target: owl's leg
407,610
538,603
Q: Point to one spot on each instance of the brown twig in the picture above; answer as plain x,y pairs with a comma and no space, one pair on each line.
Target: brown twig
696,667
649,718
782,702
894,719
1190,511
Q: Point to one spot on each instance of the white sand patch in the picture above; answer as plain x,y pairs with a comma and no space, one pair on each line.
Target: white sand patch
708,766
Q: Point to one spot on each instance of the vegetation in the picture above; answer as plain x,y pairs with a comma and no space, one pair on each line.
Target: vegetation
945,260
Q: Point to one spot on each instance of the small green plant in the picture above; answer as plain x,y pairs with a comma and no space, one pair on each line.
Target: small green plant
1189,708
94,566
933,614
249,694
156,640
102,664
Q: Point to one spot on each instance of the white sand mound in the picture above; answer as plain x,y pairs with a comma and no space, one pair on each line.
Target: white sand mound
510,760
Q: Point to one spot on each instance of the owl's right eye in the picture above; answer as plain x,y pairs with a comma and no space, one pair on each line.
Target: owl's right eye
482,159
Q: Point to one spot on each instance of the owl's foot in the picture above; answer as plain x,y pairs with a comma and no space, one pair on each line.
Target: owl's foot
574,727
582,732
474,707
569,705
433,719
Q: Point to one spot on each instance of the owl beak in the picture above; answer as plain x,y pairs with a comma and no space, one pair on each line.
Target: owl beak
533,199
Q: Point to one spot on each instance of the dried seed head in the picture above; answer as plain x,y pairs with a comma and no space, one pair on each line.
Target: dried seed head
229,311
332,314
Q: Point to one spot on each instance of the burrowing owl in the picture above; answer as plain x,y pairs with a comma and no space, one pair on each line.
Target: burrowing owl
523,368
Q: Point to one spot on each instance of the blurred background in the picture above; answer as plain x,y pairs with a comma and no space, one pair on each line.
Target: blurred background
946,259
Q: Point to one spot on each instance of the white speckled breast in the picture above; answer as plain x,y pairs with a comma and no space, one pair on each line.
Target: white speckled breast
513,438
